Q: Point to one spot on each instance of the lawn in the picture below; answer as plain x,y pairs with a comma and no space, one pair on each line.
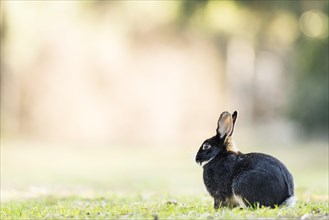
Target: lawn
83,182
150,206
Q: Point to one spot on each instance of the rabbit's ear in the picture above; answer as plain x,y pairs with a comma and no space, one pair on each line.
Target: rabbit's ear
234,117
224,125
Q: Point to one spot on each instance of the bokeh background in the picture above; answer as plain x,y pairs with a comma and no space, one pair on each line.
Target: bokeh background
117,96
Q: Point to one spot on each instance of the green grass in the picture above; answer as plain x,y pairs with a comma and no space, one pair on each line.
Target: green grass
139,206
100,182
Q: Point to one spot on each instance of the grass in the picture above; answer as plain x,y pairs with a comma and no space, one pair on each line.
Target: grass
153,206
67,182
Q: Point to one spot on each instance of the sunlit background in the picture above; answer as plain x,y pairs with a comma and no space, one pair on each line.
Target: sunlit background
117,96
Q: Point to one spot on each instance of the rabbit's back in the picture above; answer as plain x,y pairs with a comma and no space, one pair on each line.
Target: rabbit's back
262,179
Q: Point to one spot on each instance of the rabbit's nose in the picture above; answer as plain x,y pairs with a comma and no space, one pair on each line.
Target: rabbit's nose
197,158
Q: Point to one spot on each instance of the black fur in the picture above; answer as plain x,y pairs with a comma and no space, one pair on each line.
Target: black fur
259,179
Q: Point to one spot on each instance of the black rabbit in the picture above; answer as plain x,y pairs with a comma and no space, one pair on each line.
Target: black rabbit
236,179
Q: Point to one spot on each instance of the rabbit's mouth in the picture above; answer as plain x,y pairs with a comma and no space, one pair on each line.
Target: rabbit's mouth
205,162
199,162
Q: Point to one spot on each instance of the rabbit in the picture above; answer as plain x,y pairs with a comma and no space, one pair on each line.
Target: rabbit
246,180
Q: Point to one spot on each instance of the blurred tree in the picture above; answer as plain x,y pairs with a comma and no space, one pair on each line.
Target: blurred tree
188,9
271,66
309,102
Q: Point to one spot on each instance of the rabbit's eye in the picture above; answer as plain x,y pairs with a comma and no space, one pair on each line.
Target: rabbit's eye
206,146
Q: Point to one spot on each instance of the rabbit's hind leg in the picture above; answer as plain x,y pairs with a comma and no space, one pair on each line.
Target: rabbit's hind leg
258,189
235,201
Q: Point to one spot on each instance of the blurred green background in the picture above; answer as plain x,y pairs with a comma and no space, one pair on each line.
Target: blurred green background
102,96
